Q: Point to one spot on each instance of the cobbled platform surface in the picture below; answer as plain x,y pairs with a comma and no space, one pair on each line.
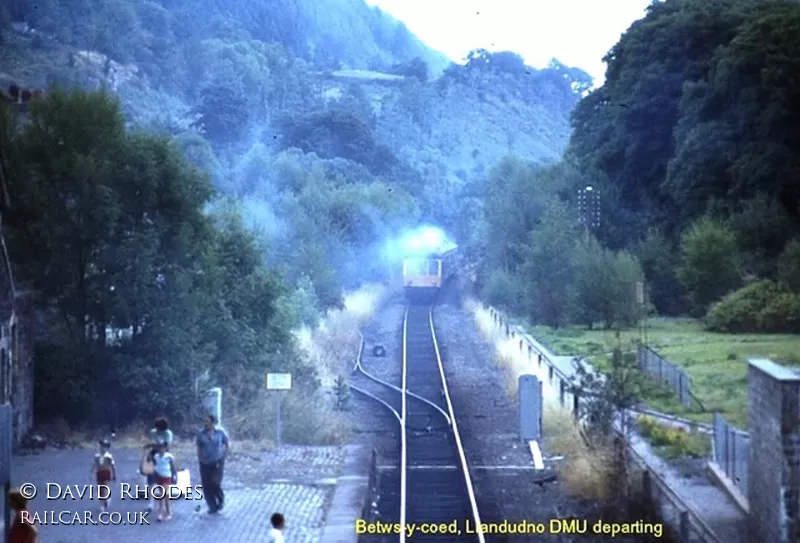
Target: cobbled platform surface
297,481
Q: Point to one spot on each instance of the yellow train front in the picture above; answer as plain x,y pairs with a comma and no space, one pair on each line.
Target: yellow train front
424,276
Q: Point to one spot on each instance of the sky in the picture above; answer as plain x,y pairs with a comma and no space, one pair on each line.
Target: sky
576,32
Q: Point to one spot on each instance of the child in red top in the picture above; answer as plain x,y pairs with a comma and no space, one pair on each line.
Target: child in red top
104,468
22,528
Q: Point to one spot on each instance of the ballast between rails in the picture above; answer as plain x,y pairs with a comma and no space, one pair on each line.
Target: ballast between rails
360,368
402,417
473,502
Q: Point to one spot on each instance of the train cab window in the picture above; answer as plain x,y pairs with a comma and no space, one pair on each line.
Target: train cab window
413,266
417,266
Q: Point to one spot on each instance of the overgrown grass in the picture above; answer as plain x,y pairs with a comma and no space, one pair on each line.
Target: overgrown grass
309,417
586,470
716,363
673,442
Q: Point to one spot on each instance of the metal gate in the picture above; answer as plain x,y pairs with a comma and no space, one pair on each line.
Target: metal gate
6,437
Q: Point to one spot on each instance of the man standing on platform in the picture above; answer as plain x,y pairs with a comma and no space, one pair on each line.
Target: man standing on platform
212,449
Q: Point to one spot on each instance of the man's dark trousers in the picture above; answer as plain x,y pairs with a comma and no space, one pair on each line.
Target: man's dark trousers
211,479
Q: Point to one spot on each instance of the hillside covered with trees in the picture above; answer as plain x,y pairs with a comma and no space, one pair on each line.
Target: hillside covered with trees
246,161
691,144
198,180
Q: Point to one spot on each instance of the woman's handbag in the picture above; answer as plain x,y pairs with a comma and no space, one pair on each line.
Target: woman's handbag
147,466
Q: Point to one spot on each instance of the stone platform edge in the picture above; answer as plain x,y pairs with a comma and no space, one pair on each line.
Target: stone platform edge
352,488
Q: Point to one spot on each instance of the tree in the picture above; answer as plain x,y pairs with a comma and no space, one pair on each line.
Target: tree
548,268
710,266
416,67
789,266
141,291
605,285
334,133
626,128
736,141
656,255
594,283
223,112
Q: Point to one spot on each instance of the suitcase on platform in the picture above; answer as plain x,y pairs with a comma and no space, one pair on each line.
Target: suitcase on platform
184,482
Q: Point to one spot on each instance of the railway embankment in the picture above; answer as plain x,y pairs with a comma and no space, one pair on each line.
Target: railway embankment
696,509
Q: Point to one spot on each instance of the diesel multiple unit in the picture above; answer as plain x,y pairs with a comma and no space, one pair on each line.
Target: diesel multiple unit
425,274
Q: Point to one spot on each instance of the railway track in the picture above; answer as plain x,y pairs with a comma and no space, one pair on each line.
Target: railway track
427,482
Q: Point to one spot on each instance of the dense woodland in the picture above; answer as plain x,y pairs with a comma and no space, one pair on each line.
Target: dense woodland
220,171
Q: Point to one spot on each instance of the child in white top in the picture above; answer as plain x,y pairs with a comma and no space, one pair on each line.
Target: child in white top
276,532
166,475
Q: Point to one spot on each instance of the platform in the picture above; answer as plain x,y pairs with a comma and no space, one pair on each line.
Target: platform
348,498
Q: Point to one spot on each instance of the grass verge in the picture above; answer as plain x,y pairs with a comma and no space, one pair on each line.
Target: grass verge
717,363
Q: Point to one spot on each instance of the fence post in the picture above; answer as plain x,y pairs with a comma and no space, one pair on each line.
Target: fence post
733,456
727,450
715,437
576,405
684,525
561,393
550,374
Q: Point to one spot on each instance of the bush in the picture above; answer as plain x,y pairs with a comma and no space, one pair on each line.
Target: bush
502,290
763,306
673,442
710,264
587,472
789,265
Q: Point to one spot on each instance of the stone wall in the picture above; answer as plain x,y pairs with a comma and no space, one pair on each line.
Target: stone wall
22,374
774,421
16,361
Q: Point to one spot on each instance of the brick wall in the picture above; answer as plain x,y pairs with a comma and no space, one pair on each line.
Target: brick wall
774,422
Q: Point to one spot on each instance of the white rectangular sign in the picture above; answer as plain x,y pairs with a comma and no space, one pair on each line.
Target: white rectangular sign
640,292
279,381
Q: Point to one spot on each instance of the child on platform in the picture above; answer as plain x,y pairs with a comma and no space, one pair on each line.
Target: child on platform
167,476
104,468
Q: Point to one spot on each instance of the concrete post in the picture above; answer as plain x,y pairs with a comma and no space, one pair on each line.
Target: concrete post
530,408
684,525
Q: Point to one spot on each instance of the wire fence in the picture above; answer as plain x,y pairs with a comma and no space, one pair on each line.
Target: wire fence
731,452
674,510
667,374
